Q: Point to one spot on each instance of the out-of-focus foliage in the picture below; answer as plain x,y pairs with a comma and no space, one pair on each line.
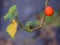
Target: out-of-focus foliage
37,22
48,19
12,29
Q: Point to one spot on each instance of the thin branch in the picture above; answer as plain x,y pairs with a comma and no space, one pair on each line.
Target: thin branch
36,28
43,20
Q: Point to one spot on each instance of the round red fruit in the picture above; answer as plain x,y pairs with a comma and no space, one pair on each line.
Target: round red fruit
49,11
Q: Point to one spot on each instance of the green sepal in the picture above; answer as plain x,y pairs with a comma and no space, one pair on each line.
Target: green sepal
29,25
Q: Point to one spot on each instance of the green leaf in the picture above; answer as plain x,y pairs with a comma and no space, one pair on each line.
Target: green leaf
6,16
9,16
12,9
12,13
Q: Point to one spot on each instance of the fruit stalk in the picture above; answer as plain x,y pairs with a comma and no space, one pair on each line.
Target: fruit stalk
43,20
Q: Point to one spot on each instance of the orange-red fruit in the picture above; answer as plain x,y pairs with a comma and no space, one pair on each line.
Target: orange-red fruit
49,11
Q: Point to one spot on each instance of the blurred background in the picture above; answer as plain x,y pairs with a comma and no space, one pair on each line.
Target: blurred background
28,10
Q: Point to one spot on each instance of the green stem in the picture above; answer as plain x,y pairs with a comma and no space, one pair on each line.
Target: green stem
20,24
